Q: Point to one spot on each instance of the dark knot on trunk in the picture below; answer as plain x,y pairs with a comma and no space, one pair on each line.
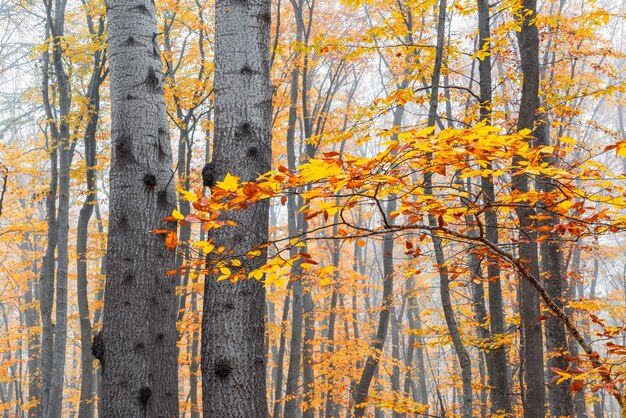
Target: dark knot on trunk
97,347
208,175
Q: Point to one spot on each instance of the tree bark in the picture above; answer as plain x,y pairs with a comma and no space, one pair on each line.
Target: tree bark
580,404
280,360
137,348
233,323
371,365
500,384
560,398
86,404
295,222
32,323
396,319
54,356
361,390
444,280
532,354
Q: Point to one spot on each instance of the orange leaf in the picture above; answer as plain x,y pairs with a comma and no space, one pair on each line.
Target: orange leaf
171,241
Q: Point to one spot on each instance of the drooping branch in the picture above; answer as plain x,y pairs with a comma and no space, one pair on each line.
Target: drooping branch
548,300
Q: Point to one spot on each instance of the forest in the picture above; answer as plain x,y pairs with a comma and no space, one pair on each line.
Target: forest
312,208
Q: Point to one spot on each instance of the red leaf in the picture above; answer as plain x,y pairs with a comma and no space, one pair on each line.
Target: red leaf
576,386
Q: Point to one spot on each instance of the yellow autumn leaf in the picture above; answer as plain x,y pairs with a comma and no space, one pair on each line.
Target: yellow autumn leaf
316,170
208,248
230,183
177,215
256,274
188,196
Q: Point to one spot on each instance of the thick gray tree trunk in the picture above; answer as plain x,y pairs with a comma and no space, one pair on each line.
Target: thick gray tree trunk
137,348
532,354
233,323
500,386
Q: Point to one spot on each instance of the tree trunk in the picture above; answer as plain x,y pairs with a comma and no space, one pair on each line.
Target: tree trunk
480,313
371,364
47,276
31,321
396,318
97,315
280,360
331,409
444,280
193,367
137,348
308,306
580,404
532,354
65,149
87,373
294,224
500,385
233,323
422,390
560,398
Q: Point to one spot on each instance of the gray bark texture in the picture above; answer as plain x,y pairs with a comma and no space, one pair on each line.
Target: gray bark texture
57,107
233,326
86,407
500,388
532,354
137,348
560,398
